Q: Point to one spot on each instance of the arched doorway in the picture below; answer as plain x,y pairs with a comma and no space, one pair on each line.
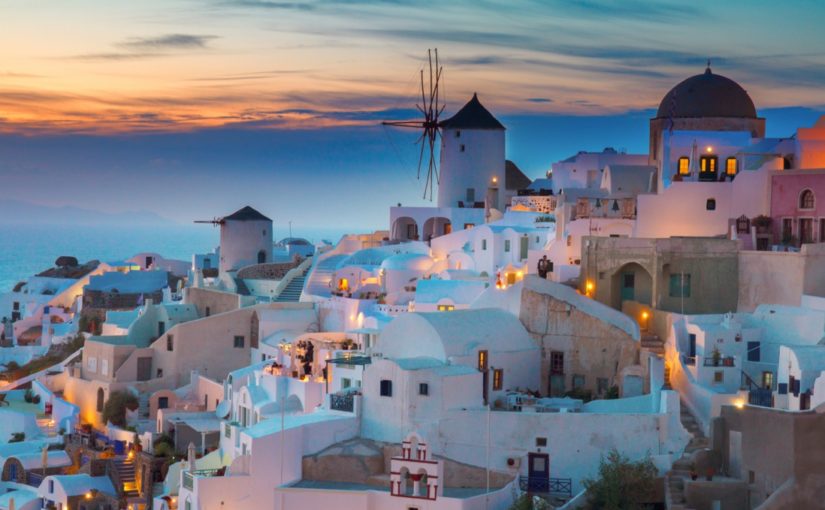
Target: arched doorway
435,227
261,257
405,229
631,282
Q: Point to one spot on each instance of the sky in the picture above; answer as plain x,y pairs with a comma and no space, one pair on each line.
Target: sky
193,108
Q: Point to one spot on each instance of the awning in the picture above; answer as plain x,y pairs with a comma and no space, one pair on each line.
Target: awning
351,360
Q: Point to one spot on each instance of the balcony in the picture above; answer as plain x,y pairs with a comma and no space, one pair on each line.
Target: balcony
728,361
344,403
189,476
561,487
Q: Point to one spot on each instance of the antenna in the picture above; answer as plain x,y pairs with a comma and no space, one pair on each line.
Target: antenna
431,107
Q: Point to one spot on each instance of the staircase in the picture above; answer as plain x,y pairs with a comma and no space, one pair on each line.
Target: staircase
293,289
47,426
654,344
680,472
126,472
321,276
143,405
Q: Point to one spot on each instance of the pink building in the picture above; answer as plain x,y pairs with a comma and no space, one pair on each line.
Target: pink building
798,206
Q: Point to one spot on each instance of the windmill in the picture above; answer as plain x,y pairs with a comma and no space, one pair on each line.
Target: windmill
431,106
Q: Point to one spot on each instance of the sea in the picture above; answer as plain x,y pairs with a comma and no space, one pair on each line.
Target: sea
26,250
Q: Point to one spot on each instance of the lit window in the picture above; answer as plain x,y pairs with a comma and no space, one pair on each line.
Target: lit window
482,360
684,166
498,378
806,199
446,308
343,284
731,166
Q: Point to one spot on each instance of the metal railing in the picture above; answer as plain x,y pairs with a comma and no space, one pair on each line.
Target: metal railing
189,476
720,362
555,486
344,403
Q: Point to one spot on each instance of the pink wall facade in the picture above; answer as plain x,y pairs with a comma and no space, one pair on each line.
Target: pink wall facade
786,190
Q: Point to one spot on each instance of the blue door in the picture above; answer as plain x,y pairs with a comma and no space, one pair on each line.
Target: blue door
538,472
628,286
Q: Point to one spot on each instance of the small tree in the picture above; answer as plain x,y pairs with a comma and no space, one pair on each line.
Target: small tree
622,484
114,410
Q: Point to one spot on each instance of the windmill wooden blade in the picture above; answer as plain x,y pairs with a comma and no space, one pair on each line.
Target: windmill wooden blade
431,107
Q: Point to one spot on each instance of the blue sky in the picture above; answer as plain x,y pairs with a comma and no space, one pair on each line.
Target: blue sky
192,108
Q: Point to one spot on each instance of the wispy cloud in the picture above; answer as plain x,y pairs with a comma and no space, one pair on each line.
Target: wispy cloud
135,48
269,4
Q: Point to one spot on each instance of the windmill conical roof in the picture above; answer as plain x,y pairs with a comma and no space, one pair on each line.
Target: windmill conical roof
472,115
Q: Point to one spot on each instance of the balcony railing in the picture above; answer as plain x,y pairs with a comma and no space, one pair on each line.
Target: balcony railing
344,403
189,476
540,485
720,362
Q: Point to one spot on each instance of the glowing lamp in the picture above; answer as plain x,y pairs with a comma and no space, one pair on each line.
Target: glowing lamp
495,179
739,403
588,286
88,495
709,149
645,315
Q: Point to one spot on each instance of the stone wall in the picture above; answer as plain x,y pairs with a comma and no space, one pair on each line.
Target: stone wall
592,347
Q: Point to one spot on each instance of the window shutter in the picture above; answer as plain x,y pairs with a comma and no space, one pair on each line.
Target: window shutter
782,388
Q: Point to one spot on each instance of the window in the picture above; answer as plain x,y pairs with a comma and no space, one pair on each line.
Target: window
51,486
161,328
163,402
104,367
787,229
423,389
227,430
506,246
16,306
261,257
806,199
680,285
208,311
263,233
578,381
471,195
386,388
767,380
731,166
708,166
806,230
238,342
569,240
541,442
346,382
482,360
498,378
91,364
483,245
601,385
170,343
446,308
159,373
468,226
557,362
718,377
710,205
462,147
458,133
101,396
754,351
684,165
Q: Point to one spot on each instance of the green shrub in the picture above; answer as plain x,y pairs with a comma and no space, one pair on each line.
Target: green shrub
622,484
17,437
114,410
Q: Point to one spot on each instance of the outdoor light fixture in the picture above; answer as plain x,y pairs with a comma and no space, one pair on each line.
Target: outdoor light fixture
709,149
739,404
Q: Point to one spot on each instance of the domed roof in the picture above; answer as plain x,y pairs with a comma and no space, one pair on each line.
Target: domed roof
408,262
707,95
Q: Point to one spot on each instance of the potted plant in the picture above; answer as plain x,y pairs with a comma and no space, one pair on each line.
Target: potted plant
716,356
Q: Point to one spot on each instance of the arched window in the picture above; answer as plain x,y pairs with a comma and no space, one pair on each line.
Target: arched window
806,199
684,165
100,397
731,166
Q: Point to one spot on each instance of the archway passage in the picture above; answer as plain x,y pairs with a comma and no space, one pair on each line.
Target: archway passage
631,282
405,229
435,227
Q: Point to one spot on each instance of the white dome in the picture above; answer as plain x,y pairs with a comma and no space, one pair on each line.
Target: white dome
407,262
